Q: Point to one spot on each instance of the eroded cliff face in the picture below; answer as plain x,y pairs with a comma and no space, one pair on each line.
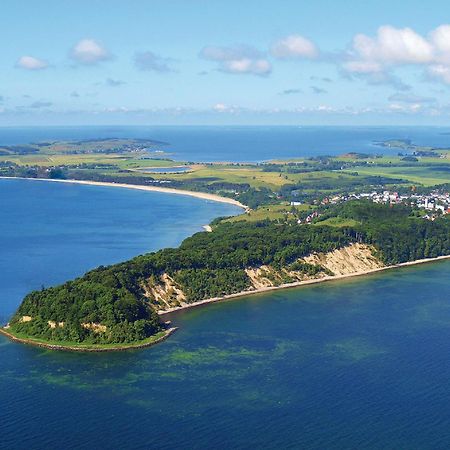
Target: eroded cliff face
165,294
347,260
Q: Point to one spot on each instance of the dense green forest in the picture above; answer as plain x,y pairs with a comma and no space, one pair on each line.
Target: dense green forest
213,264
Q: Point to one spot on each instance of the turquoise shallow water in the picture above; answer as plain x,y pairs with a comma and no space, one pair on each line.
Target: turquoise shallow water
358,363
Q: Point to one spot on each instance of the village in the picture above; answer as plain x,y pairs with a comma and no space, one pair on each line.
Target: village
434,204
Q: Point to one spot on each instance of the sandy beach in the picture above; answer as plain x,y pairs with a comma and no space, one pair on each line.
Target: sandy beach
202,195
299,284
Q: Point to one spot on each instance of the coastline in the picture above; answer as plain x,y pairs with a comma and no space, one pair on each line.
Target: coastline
298,284
89,349
138,187
99,348
150,342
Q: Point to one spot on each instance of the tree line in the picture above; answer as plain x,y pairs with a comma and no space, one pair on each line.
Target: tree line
213,264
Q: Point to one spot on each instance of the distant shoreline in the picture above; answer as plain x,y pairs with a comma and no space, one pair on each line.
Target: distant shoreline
298,284
139,187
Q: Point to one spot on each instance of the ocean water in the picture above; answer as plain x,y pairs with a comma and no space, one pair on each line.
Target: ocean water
251,143
360,363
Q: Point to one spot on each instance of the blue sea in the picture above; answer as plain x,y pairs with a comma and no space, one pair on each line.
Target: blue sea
242,144
352,364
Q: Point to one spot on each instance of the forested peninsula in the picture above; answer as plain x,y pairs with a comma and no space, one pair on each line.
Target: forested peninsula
120,305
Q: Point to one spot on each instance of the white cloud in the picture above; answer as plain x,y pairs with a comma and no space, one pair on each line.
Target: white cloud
238,60
325,108
440,38
363,67
89,52
220,107
223,108
398,46
440,72
294,47
248,65
402,108
31,63
393,46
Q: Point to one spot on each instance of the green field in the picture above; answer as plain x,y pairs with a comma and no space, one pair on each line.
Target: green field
427,175
257,185
271,212
124,161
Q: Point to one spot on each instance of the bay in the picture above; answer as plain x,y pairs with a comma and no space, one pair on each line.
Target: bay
51,232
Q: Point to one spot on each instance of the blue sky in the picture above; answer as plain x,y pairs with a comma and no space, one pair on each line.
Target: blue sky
224,62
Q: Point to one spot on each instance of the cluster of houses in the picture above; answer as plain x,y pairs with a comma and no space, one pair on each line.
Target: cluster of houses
434,203
310,217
